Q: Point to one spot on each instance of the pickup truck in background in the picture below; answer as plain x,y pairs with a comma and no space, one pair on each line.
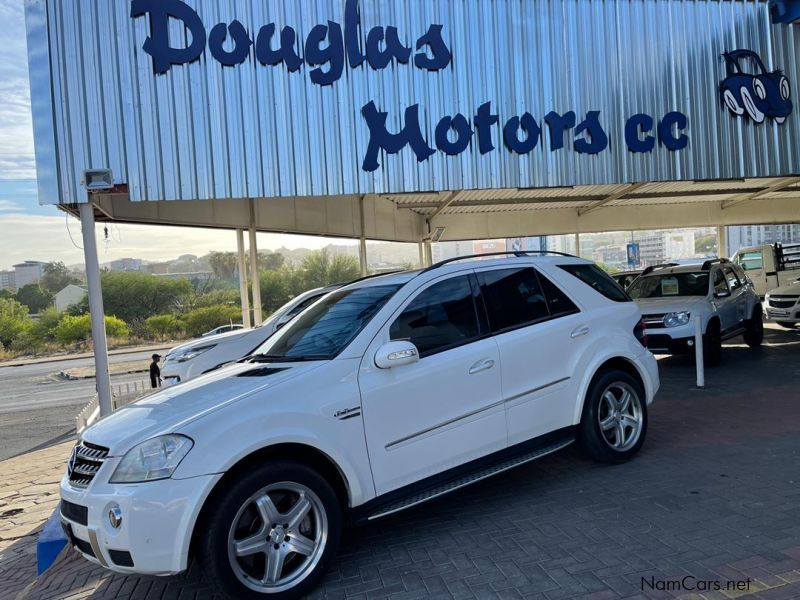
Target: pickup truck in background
770,266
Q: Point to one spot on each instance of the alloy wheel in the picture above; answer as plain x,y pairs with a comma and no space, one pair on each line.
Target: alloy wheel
277,537
620,416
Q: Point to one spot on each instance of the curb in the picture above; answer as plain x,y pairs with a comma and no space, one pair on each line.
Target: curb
61,357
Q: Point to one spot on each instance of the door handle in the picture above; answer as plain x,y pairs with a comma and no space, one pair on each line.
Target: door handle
580,332
481,365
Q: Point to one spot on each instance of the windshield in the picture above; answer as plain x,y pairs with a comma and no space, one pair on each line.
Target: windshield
328,326
670,284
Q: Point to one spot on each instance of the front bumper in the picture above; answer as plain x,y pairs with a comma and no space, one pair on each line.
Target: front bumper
671,340
158,518
783,315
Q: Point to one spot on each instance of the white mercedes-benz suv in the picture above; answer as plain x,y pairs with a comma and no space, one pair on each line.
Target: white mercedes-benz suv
382,395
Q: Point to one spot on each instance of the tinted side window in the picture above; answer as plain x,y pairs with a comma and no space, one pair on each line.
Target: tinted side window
719,282
513,298
440,317
598,280
733,279
557,300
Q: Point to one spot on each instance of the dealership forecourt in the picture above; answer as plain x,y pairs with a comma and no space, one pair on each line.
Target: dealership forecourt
413,121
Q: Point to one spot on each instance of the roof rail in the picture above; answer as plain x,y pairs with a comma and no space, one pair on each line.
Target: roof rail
516,253
342,284
652,268
714,261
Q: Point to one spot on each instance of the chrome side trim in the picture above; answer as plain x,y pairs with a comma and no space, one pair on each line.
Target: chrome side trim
469,481
473,413
98,554
537,389
445,424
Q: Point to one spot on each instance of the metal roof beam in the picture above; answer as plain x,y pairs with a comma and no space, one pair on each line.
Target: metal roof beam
775,187
449,198
615,196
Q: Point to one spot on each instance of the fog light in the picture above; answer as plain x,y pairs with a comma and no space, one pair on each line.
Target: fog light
690,343
115,517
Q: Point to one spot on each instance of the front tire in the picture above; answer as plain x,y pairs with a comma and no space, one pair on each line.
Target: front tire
272,533
614,421
754,329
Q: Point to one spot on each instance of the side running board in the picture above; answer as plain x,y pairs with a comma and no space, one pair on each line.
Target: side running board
465,480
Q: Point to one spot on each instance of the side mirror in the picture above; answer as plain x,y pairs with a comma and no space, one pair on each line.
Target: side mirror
396,354
724,294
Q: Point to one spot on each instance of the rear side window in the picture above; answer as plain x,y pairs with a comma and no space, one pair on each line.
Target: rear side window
513,298
441,317
598,280
518,297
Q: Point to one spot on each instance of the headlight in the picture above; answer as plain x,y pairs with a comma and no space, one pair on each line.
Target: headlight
676,319
785,91
759,88
151,460
192,353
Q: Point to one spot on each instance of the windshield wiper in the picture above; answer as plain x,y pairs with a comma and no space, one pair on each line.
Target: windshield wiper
266,358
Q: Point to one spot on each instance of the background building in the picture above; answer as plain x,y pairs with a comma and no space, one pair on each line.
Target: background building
8,281
755,235
30,271
69,296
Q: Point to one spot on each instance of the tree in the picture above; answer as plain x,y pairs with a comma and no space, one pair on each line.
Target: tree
136,296
223,264
34,297
706,245
319,270
78,329
270,261
164,326
56,277
6,294
275,291
13,320
201,320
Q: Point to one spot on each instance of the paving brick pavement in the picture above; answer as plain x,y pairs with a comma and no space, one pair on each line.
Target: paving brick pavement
28,495
713,497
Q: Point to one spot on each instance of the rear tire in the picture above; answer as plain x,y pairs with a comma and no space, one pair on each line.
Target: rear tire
712,345
614,421
271,533
754,329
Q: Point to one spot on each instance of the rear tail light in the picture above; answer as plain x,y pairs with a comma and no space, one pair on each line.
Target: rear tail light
640,333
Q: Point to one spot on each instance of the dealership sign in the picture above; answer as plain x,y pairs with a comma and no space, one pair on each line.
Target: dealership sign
330,48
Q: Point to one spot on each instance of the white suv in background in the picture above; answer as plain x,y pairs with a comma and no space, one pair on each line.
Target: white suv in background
671,296
384,394
210,352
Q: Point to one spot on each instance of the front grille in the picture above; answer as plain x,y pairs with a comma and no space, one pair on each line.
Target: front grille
85,462
653,321
782,301
83,546
75,513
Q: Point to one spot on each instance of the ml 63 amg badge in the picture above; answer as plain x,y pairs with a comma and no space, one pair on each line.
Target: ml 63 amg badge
751,89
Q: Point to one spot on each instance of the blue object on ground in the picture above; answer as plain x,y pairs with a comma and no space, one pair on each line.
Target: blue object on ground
51,541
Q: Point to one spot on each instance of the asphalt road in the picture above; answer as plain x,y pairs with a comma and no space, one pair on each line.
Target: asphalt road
38,408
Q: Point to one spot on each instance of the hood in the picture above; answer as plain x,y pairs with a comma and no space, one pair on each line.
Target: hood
657,306
222,338
790,289
166,411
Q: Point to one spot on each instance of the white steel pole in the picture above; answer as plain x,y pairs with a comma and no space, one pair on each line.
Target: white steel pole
362,242
722,242
698,351
103,379
255,278
242,266
421,254
577,244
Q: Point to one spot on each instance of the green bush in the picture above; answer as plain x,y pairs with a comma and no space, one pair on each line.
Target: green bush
77,329
205,319
28,341
163,326
13,320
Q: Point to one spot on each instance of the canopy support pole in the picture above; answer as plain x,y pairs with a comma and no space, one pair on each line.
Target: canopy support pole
255,278
242,266
722,241
96,312
362,242
577,244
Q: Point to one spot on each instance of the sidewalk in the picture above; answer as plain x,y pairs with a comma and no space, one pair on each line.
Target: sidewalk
61,357
28,496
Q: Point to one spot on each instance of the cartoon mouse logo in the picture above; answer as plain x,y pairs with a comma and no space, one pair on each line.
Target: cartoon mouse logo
750,88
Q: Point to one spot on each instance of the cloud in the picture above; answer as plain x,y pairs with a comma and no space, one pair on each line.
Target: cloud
16,131
8,206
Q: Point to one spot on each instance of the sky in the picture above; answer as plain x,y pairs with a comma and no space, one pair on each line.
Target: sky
32,232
